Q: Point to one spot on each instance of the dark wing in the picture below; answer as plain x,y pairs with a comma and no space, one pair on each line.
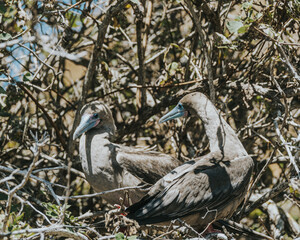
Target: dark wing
207,184
149,166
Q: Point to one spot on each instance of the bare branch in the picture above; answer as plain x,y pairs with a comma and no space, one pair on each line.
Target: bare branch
36,153
101,193
287,147
141,52
207,57
269,195
46,183
113,10
54,230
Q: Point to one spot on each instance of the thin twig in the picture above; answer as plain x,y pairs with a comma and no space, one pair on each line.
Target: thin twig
257,178
243,229
55,230
61,139
44,62
282,93
277,223
68,191
16,41
36,153
269,195
152,87
46,183
284,57
61,164
147,24
284,143
28,203
166,233
207,57
89,76
101,193
37,56
90,215
189,227
74,5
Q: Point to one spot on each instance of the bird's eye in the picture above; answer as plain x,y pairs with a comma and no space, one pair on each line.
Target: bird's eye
95,115
180,106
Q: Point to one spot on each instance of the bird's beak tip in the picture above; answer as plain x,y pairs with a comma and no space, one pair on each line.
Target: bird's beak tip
161,120
75,135
174,113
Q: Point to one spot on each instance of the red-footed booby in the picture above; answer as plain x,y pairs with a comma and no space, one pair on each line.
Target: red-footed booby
107,165
204,190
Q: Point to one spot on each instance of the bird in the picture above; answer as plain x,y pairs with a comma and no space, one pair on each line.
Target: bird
108,165
204,189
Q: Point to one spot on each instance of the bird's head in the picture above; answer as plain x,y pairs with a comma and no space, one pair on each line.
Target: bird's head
185,107
95,115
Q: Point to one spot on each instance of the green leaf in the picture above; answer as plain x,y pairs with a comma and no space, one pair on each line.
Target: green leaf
28,77
174,45
19,218
134,237
74,19
5,36
234,26
255,213
51,214
243,29
119,236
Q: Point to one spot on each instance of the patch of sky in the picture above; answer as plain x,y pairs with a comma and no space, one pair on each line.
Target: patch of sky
19,55
99,7
3,84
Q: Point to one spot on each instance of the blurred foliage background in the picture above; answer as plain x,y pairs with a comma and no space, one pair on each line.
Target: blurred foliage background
140,57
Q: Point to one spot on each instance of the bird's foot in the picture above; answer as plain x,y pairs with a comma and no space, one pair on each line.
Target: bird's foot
210,233
116,221
118,207
210,229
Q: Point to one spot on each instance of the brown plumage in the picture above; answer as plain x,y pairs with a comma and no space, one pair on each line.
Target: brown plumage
108,165
206,189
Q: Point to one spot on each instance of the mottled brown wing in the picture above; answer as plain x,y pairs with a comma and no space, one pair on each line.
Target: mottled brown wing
206,185
149,166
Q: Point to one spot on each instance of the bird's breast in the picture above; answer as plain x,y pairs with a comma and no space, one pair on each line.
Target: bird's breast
96,158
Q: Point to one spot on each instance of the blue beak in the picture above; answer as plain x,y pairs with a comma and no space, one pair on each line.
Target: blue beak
87,122
176,112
